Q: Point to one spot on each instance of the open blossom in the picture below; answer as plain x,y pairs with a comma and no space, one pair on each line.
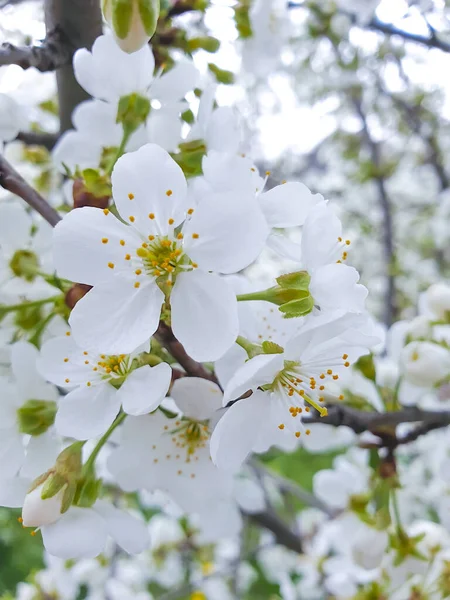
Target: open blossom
172,455
163,252
425,363
293,380
99,385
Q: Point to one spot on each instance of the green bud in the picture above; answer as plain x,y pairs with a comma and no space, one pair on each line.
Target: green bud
221,75
366,365
88,491
133,21
36,416
25,264
132,112
207,42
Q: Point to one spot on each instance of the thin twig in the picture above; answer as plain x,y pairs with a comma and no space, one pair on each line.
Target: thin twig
12,181
37,138
54,52
193,368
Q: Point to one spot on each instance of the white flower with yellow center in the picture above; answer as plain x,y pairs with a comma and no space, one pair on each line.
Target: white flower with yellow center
162,251
99,386
172,455
285,386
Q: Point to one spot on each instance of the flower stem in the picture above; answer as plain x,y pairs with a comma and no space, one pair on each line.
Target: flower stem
120,150
101,442
252,296
12,307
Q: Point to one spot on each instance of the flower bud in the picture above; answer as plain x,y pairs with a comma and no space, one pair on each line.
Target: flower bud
83,196
25,264
37,512
424,364
132,21
36,416
438,300
52,493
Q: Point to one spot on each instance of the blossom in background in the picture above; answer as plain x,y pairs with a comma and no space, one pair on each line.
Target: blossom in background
165,252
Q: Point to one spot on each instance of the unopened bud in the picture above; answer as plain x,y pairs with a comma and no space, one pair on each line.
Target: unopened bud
52,494
25,264
75,294
132,21
36,416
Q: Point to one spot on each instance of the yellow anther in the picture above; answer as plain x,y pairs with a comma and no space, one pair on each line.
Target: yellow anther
137,284
111,265
68,333
151,238
131,219
67,380
267,173
88,383
339,239
330,372
66,360
190,211
348,242
308,431
105,211
180,236
346,364
151,215
321,387
86,362
131,196
253,170
85,353
195,236
169,193
341,397
138,271
105,240
171,221
335,377
345,356
284,181
322,376
281,426
127,256
297,434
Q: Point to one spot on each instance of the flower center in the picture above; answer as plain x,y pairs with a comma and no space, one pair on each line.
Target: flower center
114,367
190,435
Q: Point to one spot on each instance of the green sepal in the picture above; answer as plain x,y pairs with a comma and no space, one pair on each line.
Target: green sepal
297,308
298,280
96,184
132,112
53,484
87,491
366,365
25,264
206,42
36,416
122,14
149,13
271,348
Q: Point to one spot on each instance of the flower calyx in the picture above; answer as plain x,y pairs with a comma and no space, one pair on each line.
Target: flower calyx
133,21
36,416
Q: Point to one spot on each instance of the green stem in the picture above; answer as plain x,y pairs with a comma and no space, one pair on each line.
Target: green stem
24,305
101,442
120,151
398,521
262,295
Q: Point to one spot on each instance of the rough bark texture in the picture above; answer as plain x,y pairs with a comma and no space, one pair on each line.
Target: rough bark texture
81,23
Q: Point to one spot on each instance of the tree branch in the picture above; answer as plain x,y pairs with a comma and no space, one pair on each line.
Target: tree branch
193,368
36,138
375,422
55,51
12,181
283,535
81,23
431,41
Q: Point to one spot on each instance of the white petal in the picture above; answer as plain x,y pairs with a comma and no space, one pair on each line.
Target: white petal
196,398
229,363
15,227
336,286
288,205
55,367
285,247
109,73
231,231
223,131
12,453
145,389
24,367
129,532
237,431
115,317
75,149
156,184
328,488
176,83
164,129
80,251
87,412
257,371
320,235
217,167
204,314
13,491
79,533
